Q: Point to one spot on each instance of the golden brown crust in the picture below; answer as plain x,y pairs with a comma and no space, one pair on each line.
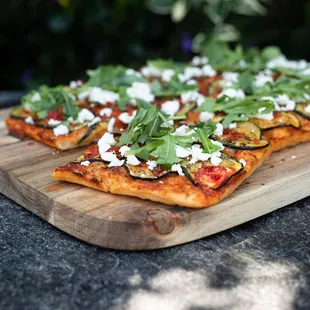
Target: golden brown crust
19,128
171,189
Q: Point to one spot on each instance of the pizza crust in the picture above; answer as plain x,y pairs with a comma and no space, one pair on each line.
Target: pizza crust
20,129
172,189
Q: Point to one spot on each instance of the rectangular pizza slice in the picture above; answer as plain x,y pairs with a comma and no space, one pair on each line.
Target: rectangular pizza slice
185,166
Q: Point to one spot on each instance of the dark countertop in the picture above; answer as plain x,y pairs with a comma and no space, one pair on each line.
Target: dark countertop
263,264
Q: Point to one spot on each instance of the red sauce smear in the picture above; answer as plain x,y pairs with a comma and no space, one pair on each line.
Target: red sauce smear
212,176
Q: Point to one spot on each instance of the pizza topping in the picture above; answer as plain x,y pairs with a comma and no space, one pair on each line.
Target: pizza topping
199,61
85,115
243,162
177,168
167,75
29,120
53,122
61,130
106,112
261,79
170,107
126,118
218,130
307,108
139,90
183,131
132,160
85,163
102,96
75,84
210,175
192,96
230,78
151,164
232,93
111,124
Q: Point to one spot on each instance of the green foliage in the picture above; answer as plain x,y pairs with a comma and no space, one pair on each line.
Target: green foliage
50,99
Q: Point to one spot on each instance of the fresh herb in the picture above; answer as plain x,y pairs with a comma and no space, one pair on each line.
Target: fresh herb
151,129
171,89
111,77
163,64
51,99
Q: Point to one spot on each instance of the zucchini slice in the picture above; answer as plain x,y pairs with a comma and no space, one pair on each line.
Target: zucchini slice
187,108
88,133
246,136
206,174
281,119
19,113
301,109
144,173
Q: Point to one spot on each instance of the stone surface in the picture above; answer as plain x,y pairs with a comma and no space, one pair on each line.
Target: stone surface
263,264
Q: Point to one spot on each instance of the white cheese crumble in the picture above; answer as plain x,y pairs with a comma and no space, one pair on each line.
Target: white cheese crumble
150,71
85,163
232,126
293,157
123,149
53,122
132,160
36,97
177,168
126,118
191,82
139,90
192,96
94,121
219,129
170,107
207,71
183,131
268,116
75,84
29,120
106,112
283,62
101,96
205,116
85,115
189,73
261,79
61,130
232,93
285,103
215,160
181,151
133,72
307,108
199,61
111,124
230,78
167,75
151,164
243,162
107,138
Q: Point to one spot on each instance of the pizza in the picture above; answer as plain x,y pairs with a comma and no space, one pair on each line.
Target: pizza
183,134
188,166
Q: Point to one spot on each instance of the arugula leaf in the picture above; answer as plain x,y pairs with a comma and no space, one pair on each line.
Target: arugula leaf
165,152
111,77
50,99
171,89
160,63
271,52
245,81
207,105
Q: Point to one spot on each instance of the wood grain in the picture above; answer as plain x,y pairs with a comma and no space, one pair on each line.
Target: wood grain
127,223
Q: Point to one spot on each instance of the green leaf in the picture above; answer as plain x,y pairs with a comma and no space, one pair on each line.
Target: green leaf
160,6
208,105
271,52
245,81
166,153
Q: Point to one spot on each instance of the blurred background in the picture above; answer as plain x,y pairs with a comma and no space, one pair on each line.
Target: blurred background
54,42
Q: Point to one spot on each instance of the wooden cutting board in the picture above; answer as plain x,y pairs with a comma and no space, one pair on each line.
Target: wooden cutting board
121,222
